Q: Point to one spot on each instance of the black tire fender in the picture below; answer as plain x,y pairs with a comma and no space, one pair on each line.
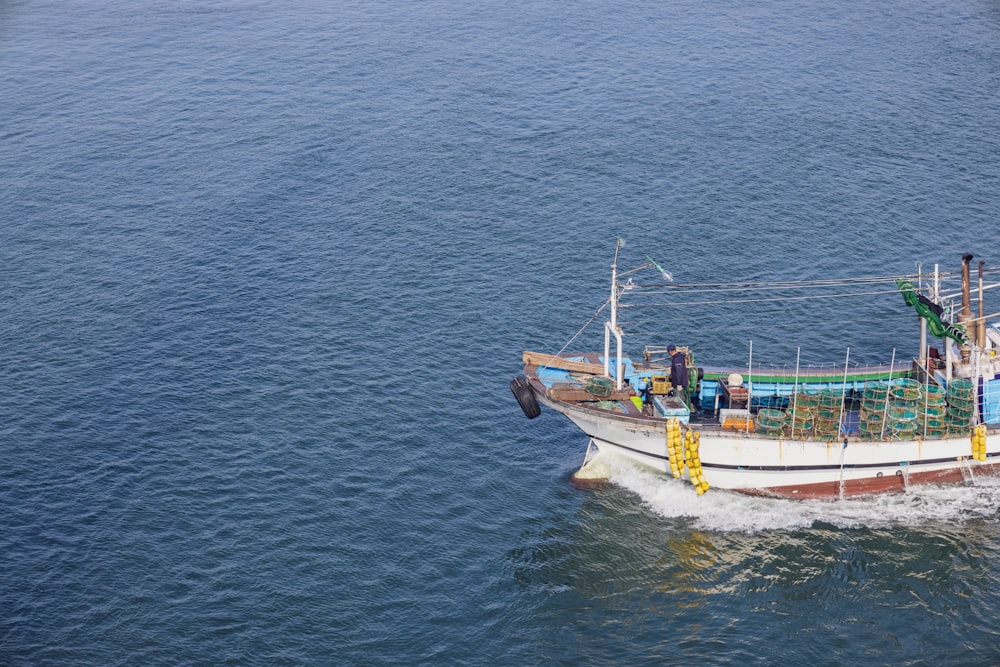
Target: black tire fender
525,398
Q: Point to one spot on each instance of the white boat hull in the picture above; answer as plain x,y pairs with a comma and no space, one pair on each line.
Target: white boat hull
787,467
598,392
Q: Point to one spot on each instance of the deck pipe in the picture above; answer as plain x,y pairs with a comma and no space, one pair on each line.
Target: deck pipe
966,313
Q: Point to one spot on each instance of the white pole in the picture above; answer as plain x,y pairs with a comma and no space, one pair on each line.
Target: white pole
976,416
795,395
888,389
843,394
607,349
619,364
923,324
927,398
949,357
614,291
609,326
749,386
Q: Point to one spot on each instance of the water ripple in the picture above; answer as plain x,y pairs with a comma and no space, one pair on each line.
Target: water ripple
268,269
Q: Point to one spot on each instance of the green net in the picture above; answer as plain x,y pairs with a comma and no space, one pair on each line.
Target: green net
599,386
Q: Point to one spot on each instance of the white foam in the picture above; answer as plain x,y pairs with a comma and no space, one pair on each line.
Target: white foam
732,512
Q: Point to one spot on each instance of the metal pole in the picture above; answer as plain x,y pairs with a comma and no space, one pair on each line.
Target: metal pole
795,395
923,324
614,312
966,313
749,386
976,413
888,389
843,394
927,398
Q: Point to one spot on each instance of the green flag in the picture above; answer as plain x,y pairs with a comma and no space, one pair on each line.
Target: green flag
938,327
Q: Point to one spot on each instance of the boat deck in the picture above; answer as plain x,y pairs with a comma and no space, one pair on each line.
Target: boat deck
772,387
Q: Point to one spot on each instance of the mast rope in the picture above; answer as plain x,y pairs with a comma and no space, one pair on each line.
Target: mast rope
773,284
577,334
759,300
942,276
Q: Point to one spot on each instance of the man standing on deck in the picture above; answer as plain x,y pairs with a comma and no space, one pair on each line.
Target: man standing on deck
678,372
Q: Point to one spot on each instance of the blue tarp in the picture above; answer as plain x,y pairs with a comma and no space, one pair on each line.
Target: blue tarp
991,401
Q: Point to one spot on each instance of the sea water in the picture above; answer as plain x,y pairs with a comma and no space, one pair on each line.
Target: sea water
267,269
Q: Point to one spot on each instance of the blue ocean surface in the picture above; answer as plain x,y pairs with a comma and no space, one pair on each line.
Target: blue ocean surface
266,270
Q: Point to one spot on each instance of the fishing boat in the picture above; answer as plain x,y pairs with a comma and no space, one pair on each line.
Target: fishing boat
791,432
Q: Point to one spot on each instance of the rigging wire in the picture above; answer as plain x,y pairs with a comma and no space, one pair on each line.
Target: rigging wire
686,289
769,284
759,300
942,277
587,324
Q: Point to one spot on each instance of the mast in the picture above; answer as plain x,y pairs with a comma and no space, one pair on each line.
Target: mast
843,394
611,326
749,384
923,326
966,313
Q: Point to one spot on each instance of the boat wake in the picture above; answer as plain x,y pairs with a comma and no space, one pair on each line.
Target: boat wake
726,511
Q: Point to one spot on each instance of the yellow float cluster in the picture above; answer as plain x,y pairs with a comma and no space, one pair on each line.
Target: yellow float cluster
979,442
675,447
692,441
